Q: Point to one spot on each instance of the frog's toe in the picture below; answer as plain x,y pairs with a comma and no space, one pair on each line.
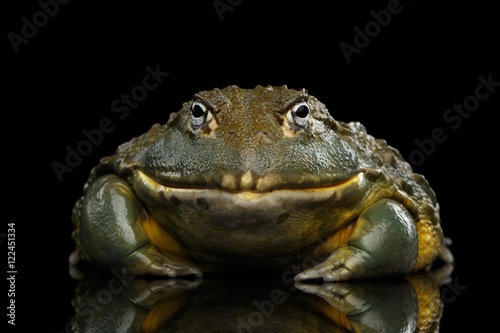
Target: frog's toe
318,272
165,269
341,274
191,271
345,264
444,252
148,260
155,268
308,275
328,274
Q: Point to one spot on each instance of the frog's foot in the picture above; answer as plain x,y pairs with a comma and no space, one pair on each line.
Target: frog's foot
444,252
344,264
116,231
383,241
147,293
149,261
74,271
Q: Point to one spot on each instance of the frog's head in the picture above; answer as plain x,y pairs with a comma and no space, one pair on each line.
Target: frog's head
252,172
258,139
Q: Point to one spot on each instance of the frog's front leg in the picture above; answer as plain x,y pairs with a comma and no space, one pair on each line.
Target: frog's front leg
112,232
383,241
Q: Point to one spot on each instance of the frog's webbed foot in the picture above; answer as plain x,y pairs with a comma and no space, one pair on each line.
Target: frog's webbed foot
147,260
384,241
344,264
112,233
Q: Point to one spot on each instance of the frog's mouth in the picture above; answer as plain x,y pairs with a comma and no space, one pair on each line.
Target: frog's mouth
250,181
249,206
252,224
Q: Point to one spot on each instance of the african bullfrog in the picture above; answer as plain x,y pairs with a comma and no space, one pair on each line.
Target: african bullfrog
260,178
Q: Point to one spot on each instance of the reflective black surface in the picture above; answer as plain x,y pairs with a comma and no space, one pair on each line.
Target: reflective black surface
227,303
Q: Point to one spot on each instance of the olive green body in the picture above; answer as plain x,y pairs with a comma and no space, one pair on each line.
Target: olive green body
260,177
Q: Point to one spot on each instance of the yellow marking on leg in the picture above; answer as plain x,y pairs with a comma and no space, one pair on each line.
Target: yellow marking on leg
162,240
338,239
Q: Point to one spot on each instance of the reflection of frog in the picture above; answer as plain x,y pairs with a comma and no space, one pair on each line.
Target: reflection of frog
255,177
409,304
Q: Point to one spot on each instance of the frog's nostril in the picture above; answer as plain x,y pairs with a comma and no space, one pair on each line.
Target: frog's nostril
229,134
266,136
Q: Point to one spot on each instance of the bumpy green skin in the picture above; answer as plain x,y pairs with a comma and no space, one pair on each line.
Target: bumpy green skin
252,186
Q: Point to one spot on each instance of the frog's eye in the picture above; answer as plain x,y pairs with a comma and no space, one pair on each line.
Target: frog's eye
299,114
200,114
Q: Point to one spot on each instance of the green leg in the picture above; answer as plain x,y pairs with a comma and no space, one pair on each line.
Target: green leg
111,234
384,242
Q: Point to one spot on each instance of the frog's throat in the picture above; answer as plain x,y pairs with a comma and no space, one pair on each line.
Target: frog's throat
151,190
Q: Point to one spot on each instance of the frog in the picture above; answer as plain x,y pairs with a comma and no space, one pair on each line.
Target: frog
263,178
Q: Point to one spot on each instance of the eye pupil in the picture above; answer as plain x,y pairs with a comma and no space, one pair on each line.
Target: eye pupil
299,115
197,111
200,114
302,111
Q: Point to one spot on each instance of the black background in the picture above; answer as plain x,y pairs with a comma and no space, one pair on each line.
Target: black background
64,79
